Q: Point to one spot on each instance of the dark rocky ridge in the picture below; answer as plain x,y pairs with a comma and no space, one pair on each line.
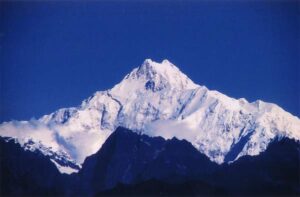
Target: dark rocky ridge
133,164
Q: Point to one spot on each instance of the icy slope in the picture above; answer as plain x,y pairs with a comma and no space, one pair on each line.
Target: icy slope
159,100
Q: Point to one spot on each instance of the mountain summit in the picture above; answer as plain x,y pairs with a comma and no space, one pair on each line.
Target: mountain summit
156,99
161,75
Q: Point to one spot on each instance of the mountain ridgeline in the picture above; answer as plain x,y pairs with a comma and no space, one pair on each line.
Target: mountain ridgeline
156,99
154,133
129,163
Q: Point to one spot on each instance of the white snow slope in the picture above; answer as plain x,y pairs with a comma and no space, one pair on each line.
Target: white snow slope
159,100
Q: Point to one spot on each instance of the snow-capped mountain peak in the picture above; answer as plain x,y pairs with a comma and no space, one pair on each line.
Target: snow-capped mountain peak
157,99
160,75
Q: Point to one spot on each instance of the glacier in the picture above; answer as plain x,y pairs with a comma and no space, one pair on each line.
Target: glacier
156,99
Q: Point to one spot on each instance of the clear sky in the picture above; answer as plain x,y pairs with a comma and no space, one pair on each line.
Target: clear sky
55,55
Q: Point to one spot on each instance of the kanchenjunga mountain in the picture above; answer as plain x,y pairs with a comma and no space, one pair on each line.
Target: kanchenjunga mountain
156,100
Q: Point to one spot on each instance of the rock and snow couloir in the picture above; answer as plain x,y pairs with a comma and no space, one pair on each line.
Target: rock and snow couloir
156,99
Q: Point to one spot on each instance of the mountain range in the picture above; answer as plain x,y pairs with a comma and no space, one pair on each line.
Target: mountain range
156,127
134,164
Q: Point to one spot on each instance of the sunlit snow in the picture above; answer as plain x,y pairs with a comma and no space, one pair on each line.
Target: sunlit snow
156,99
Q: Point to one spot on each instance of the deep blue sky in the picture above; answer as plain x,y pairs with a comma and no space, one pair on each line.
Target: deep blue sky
55,55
